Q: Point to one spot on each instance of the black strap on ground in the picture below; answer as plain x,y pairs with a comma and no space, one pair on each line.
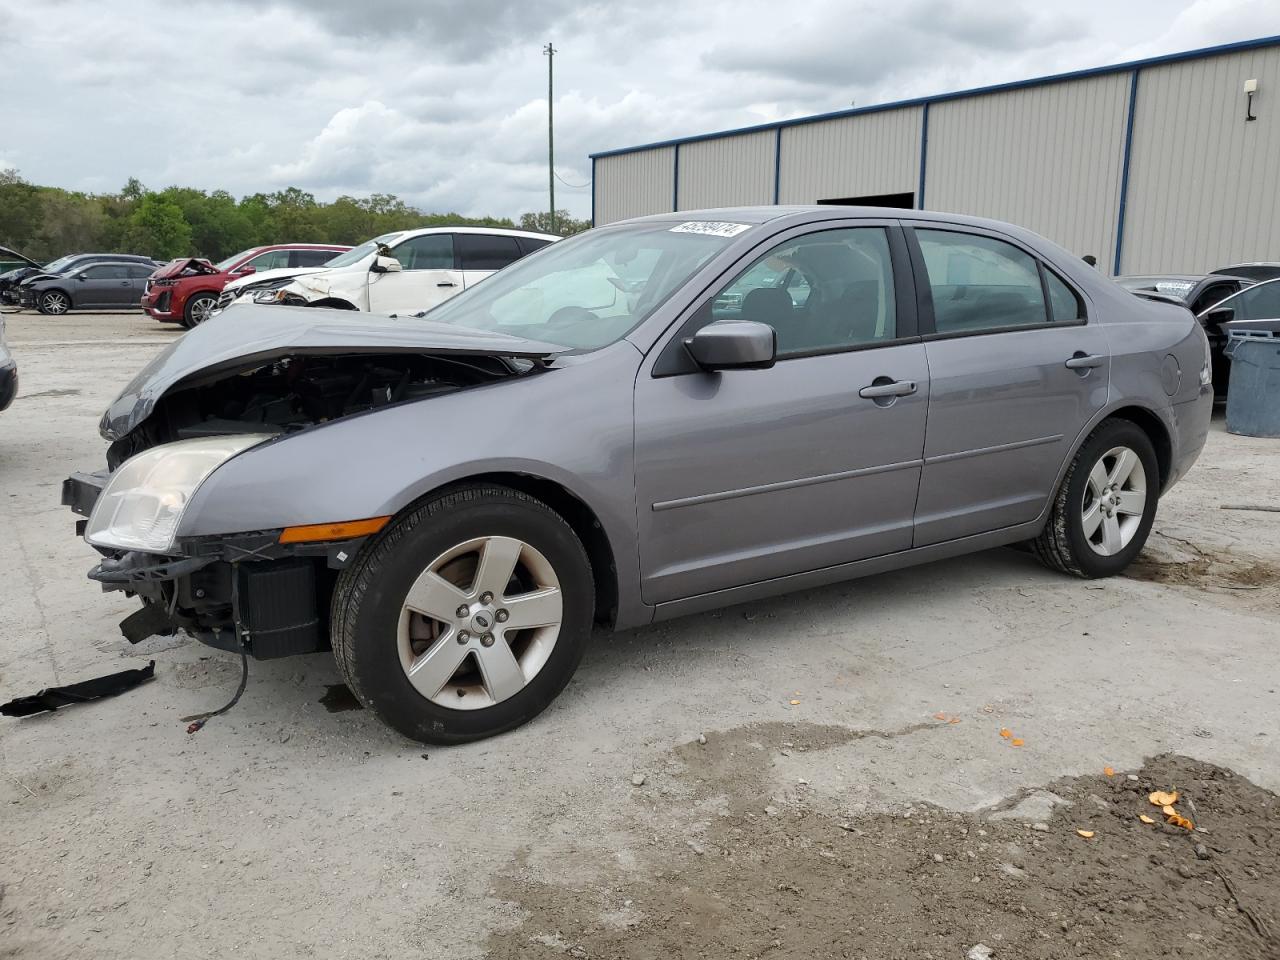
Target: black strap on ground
52,698
198,720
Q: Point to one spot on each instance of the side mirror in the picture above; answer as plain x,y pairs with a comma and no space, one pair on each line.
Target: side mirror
734,345
247,269
386,265
82,276
1219,316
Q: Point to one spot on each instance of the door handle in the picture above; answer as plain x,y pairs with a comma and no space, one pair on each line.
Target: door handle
1085,361
446,283
893,388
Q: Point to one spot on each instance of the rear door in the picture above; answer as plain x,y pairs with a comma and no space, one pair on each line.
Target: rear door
427,276
137,280
749,475
483,254
1016,370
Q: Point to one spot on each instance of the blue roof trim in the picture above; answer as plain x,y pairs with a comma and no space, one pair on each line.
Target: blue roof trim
1198,54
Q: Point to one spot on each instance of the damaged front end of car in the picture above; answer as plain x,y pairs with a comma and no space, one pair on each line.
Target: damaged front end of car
219,392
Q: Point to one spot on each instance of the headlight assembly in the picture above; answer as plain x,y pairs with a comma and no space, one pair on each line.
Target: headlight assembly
143,502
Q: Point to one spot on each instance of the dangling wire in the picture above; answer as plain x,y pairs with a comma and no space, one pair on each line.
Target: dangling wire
198,720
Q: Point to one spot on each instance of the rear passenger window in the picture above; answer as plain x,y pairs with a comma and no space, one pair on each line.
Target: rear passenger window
979,283
529,244
1064,303
483,251
140,272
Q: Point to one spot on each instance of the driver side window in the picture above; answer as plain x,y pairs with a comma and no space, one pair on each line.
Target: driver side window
822,292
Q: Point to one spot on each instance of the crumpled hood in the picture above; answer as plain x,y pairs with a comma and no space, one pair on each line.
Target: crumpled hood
252,335
37,277
8,253
176,268
267,276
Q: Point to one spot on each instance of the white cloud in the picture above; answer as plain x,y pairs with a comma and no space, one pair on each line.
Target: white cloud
443,102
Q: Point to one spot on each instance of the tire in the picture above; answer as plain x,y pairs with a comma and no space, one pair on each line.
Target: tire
197,309
53,303
1094,536
377,640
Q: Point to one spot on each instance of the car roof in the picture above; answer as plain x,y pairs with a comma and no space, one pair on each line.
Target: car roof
500,231
302,246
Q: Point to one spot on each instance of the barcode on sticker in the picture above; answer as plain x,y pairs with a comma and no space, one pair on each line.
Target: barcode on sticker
712,228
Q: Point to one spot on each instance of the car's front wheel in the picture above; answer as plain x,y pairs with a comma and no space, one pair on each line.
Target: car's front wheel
1104,508
53,303
198,309
465,617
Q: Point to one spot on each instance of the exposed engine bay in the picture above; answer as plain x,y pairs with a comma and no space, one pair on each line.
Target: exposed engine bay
291,393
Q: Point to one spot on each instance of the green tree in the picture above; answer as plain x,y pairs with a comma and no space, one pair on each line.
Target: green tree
565,226
158,229
19,213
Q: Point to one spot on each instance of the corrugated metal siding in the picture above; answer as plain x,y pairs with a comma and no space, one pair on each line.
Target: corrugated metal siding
634,184
1204,184
872,154
1046,158
729,171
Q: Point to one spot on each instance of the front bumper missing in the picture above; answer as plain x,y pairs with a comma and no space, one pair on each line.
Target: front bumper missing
244,591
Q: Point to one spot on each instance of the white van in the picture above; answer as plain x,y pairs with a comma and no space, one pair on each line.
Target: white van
404,272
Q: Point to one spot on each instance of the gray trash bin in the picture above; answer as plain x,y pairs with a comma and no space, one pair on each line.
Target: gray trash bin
1253,396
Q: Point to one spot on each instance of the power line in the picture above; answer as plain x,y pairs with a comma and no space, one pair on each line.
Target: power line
575,186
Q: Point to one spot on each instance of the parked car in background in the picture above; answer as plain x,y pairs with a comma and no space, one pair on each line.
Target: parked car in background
14,268
1196,291
1254,271
405,272
186,290
649,419
8,372
100,285
72,263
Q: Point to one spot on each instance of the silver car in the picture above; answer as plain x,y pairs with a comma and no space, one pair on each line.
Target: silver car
650,419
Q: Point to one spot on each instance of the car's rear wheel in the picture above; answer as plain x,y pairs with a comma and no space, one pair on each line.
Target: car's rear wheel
465,617
53,303
199,308
1104,508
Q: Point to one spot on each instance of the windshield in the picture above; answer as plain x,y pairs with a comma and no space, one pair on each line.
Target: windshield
230,262
590,290
356,254
59,263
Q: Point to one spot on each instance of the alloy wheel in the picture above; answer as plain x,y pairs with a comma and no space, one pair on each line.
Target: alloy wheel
1115,499
202,309
479,623
55,303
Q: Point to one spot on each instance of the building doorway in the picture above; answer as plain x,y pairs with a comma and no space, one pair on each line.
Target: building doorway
902,201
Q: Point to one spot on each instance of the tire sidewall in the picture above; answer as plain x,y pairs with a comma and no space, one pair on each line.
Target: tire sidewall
417,540
1116,433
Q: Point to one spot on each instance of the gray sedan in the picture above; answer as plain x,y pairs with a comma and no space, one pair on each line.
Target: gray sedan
653,418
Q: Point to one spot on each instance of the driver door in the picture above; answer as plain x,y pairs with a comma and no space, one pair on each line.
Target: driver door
750,475
428,276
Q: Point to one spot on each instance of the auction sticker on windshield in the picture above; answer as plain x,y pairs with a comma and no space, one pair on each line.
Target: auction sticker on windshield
713,228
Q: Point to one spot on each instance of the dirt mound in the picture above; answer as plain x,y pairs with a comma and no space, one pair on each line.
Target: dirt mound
1181,562
922,883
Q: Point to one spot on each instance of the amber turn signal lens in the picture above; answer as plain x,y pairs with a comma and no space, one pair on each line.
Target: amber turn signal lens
319,532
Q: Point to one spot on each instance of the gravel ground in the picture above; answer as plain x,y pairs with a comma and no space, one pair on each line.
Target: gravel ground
809,824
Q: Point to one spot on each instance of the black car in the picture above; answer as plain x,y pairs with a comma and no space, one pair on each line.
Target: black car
1197,291
16,268
110,285
72,263
1257,272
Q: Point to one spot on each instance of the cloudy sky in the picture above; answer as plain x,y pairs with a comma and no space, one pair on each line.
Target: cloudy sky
443,102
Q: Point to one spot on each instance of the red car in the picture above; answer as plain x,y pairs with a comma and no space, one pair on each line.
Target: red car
186,290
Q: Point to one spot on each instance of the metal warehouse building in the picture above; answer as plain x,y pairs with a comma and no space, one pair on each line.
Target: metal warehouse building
1166,165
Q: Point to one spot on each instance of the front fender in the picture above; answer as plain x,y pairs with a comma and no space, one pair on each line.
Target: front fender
571,425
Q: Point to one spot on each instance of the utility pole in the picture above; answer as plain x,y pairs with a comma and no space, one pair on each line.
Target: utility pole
550,51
